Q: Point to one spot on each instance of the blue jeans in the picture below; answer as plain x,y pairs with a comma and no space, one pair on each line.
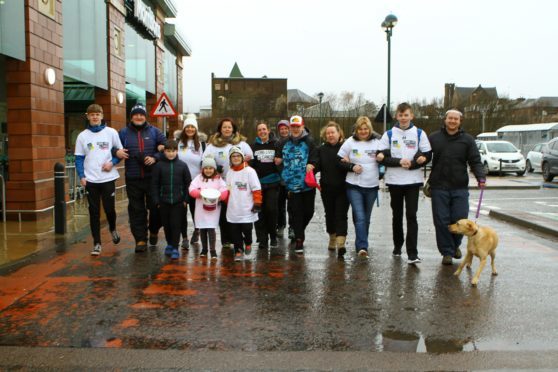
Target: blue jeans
448,206
362,200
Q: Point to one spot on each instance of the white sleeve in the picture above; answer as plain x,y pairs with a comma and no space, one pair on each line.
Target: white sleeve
246,149
384,142
345,149
116,139
254,181
80,149
424,143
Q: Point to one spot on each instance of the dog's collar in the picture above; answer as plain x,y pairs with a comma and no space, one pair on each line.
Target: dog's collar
476,232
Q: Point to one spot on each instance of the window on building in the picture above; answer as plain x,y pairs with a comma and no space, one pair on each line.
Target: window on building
217,86
170,74
12,29
140,60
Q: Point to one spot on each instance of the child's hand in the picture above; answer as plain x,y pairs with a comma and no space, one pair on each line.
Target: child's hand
380,157
83,181
107,167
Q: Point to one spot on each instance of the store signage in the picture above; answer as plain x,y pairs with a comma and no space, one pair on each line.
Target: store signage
146,17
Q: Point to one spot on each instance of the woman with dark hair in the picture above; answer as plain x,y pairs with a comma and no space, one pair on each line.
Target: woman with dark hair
220,143
268,174
190,151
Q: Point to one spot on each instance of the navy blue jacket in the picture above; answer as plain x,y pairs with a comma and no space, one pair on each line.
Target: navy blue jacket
170,181
140,143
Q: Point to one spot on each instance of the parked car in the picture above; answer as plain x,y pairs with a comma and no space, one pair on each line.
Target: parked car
550,160
501,156
534,158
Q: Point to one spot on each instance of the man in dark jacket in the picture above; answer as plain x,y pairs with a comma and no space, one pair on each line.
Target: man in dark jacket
453,149
142,146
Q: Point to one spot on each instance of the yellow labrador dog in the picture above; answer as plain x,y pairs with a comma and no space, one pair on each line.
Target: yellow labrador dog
482,242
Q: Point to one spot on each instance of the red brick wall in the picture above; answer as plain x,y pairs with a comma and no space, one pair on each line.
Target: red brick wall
35,113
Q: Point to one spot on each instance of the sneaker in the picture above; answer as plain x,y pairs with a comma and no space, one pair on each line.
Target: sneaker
115,237
341,252
213,255
248,250
363,253
457,255
140,247
414,260
185,244
273,243
299,246
291,233
396,252
168,250
175,254
238,256
195,237
153,239
96,250
203,253
447,260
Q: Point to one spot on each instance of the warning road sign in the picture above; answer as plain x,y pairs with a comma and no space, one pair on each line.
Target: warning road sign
163,107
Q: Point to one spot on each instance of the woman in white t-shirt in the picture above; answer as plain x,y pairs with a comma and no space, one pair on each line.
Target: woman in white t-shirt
190,151
358,156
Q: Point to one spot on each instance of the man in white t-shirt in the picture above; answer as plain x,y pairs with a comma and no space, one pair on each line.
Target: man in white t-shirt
96,171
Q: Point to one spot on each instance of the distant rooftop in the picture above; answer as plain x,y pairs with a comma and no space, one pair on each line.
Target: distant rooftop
296,95
235,72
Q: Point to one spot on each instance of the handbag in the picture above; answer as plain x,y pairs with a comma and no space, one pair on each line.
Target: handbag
310,180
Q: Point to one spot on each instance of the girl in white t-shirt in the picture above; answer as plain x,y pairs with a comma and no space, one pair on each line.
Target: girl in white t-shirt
207,217
244,204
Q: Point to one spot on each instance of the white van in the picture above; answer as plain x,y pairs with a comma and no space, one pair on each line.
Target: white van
501,156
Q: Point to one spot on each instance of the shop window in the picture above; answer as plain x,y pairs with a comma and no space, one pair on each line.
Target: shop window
170,74
12,29
140,60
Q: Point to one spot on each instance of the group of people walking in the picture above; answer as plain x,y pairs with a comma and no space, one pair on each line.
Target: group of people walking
231,185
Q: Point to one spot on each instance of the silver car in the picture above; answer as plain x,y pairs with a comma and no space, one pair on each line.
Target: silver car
534,158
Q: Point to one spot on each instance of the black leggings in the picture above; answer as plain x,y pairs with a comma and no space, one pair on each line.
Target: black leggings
205,235
97,192
242,233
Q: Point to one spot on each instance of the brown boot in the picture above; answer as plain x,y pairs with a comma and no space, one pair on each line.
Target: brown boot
341,245
332,242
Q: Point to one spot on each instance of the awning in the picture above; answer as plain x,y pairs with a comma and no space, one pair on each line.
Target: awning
174,37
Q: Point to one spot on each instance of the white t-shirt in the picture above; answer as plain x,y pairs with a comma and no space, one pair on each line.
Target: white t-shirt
404,145
191,157
203,218
97,149
241,184
221,154
362,153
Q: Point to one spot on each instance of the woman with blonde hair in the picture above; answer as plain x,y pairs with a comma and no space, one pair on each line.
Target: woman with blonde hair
358,156
332,183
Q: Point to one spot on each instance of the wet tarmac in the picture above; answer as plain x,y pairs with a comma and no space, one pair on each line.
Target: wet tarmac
280,301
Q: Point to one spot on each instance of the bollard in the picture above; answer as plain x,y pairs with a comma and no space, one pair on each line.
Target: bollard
59,199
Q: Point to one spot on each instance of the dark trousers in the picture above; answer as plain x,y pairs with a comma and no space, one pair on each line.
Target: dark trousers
448,206
192,207
336,206
267,219
97,192
225,226
241,234
302,209
205,236
282,207
407,196
139,202
171,217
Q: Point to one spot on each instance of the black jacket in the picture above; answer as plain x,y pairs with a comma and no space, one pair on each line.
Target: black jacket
170,181
263,161
451,156
333,173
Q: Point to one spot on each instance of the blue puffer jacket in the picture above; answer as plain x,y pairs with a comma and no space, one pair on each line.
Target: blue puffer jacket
296,154
140,142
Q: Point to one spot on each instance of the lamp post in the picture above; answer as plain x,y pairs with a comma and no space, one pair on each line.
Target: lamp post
320,97
388,24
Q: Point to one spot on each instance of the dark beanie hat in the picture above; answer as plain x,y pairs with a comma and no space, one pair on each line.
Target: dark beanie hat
138,109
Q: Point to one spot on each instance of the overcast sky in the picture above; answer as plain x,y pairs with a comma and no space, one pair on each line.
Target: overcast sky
334,46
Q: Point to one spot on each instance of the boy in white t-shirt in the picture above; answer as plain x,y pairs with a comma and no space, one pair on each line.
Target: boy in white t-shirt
244,204
95,167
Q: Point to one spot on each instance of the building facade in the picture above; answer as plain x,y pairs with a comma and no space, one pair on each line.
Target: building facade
59,56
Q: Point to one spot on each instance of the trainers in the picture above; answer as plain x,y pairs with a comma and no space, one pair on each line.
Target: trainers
447,260
168,250
457,255
213,255
115,237
153,239
140,247
248,250
96,250
299,246
238,256
203,253
185,244
195,237
396,252
175,254
363,253
291,233
414,260
273,243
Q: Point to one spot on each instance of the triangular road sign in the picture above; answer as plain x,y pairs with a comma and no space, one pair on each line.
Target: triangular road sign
163,107
380,117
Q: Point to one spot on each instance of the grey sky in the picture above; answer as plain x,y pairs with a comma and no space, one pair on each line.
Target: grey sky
335,46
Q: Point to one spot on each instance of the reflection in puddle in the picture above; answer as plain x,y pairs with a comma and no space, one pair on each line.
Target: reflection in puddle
401,342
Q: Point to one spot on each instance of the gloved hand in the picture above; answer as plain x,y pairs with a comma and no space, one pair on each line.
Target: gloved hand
219,169
257,208
481,183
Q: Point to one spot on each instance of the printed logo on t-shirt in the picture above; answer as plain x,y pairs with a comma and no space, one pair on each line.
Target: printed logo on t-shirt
370,153
395,144
355,153
241,186
221,154
103,145
411,144
265,156
90,146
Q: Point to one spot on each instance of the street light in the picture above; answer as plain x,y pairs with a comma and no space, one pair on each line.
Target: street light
320,96
388,24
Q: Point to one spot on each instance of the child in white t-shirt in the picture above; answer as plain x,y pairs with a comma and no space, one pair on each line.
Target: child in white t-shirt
206,217
245,202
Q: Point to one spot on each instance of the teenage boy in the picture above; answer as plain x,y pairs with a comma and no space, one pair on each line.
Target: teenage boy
142,143
95,167
405,149
169,189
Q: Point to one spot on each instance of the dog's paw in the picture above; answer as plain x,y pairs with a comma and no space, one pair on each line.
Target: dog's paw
474,282
494,273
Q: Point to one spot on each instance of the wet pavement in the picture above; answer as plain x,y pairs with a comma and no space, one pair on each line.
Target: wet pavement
279,301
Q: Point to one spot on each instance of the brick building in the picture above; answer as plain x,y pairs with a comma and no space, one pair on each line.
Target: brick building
57,57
